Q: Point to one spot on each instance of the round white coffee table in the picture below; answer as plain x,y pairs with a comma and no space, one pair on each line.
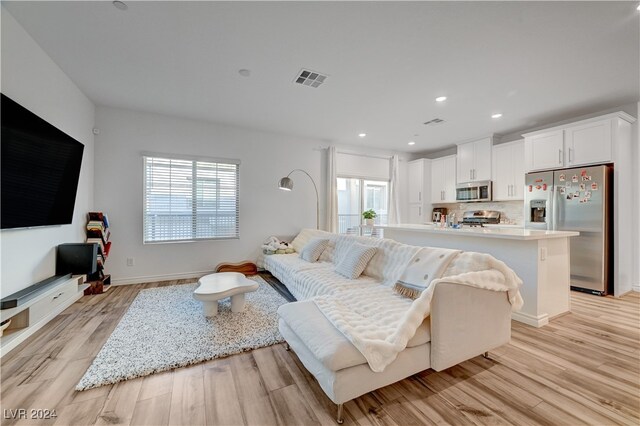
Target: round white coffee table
215,287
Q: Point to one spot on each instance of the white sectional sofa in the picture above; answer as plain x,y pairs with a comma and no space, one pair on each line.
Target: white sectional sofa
465,321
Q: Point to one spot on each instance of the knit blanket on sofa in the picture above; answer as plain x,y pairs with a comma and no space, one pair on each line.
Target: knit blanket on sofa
380,322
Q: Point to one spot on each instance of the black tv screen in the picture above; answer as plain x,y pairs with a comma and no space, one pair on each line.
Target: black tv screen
40,170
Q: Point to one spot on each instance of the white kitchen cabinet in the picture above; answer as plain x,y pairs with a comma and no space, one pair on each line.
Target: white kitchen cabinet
437,180
544,151
583,143
419,185
416,214
443,179
473,161
588,143
508,171
416,181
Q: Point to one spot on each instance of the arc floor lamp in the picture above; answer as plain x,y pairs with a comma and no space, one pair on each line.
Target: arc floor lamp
286,184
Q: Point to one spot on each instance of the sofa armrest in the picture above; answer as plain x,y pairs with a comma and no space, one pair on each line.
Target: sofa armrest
466,322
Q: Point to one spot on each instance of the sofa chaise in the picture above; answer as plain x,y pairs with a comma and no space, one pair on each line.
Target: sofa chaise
464,321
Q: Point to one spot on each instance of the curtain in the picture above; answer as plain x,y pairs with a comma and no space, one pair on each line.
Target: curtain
394,191
332,190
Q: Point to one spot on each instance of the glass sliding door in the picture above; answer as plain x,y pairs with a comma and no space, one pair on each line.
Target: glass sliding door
349,205
357,195
376,198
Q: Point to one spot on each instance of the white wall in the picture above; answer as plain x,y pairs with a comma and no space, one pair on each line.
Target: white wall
264,209
32,79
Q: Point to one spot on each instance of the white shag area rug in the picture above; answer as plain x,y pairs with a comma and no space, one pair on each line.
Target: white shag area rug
165,328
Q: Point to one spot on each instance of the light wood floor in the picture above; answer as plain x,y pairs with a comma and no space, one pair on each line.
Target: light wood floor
583,368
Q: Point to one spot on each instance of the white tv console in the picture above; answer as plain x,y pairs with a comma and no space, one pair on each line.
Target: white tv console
33,314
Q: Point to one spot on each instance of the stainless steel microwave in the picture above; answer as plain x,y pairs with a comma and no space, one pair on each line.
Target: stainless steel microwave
474,191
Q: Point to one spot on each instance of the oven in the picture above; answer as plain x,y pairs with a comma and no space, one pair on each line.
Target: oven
474,191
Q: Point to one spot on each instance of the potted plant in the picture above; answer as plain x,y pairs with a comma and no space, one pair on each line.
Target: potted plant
368,216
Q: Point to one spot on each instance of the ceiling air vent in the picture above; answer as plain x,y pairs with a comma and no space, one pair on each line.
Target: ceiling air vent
434,122
310,78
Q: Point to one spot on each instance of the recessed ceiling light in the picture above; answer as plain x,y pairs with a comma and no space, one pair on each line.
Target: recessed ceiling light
120,5
244,72
412,143
441,98
498,115
638,8
362,135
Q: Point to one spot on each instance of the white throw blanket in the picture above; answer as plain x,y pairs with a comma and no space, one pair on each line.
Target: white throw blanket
380,322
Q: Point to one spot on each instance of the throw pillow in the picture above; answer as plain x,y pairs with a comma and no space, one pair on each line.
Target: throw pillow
355,260
327,254
426,265
313,249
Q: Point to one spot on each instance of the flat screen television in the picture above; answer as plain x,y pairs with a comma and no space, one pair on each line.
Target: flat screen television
39,171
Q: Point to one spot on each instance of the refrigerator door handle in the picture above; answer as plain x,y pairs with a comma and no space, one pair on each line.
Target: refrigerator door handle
555,208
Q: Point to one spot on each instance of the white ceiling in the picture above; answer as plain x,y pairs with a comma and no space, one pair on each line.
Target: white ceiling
386,62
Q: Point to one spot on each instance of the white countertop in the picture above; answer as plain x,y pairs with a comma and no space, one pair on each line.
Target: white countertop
511,233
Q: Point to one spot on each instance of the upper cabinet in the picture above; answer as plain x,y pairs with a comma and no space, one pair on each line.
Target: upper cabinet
508,171
474,161
416,181
582,143
544,150
589,143
419,185
443,180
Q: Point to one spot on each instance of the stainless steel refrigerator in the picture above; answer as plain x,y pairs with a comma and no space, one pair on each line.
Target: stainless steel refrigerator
577,199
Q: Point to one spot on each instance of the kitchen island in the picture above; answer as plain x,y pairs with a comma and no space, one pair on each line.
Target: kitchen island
540,258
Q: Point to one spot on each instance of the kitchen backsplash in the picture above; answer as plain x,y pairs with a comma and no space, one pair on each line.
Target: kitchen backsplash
511,212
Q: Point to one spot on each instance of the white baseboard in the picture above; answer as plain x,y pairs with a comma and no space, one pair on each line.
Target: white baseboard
535,321
635,288
162,277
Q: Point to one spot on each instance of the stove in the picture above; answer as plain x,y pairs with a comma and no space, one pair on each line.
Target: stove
480,217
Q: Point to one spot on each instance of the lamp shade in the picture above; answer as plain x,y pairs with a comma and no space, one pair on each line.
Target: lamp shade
286,184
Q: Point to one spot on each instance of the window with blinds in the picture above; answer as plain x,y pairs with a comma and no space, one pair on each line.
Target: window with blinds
190,199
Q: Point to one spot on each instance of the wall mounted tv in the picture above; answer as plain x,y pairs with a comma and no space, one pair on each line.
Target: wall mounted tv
39,171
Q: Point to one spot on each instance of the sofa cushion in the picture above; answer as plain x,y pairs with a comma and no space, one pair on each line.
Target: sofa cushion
305,236
315,282
356,259
286,266
325,342
390,261
313,249
327,253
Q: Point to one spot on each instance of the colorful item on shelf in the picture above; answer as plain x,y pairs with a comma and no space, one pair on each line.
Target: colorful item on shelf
98,233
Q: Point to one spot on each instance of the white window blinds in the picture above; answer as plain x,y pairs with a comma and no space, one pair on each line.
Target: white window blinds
190,199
